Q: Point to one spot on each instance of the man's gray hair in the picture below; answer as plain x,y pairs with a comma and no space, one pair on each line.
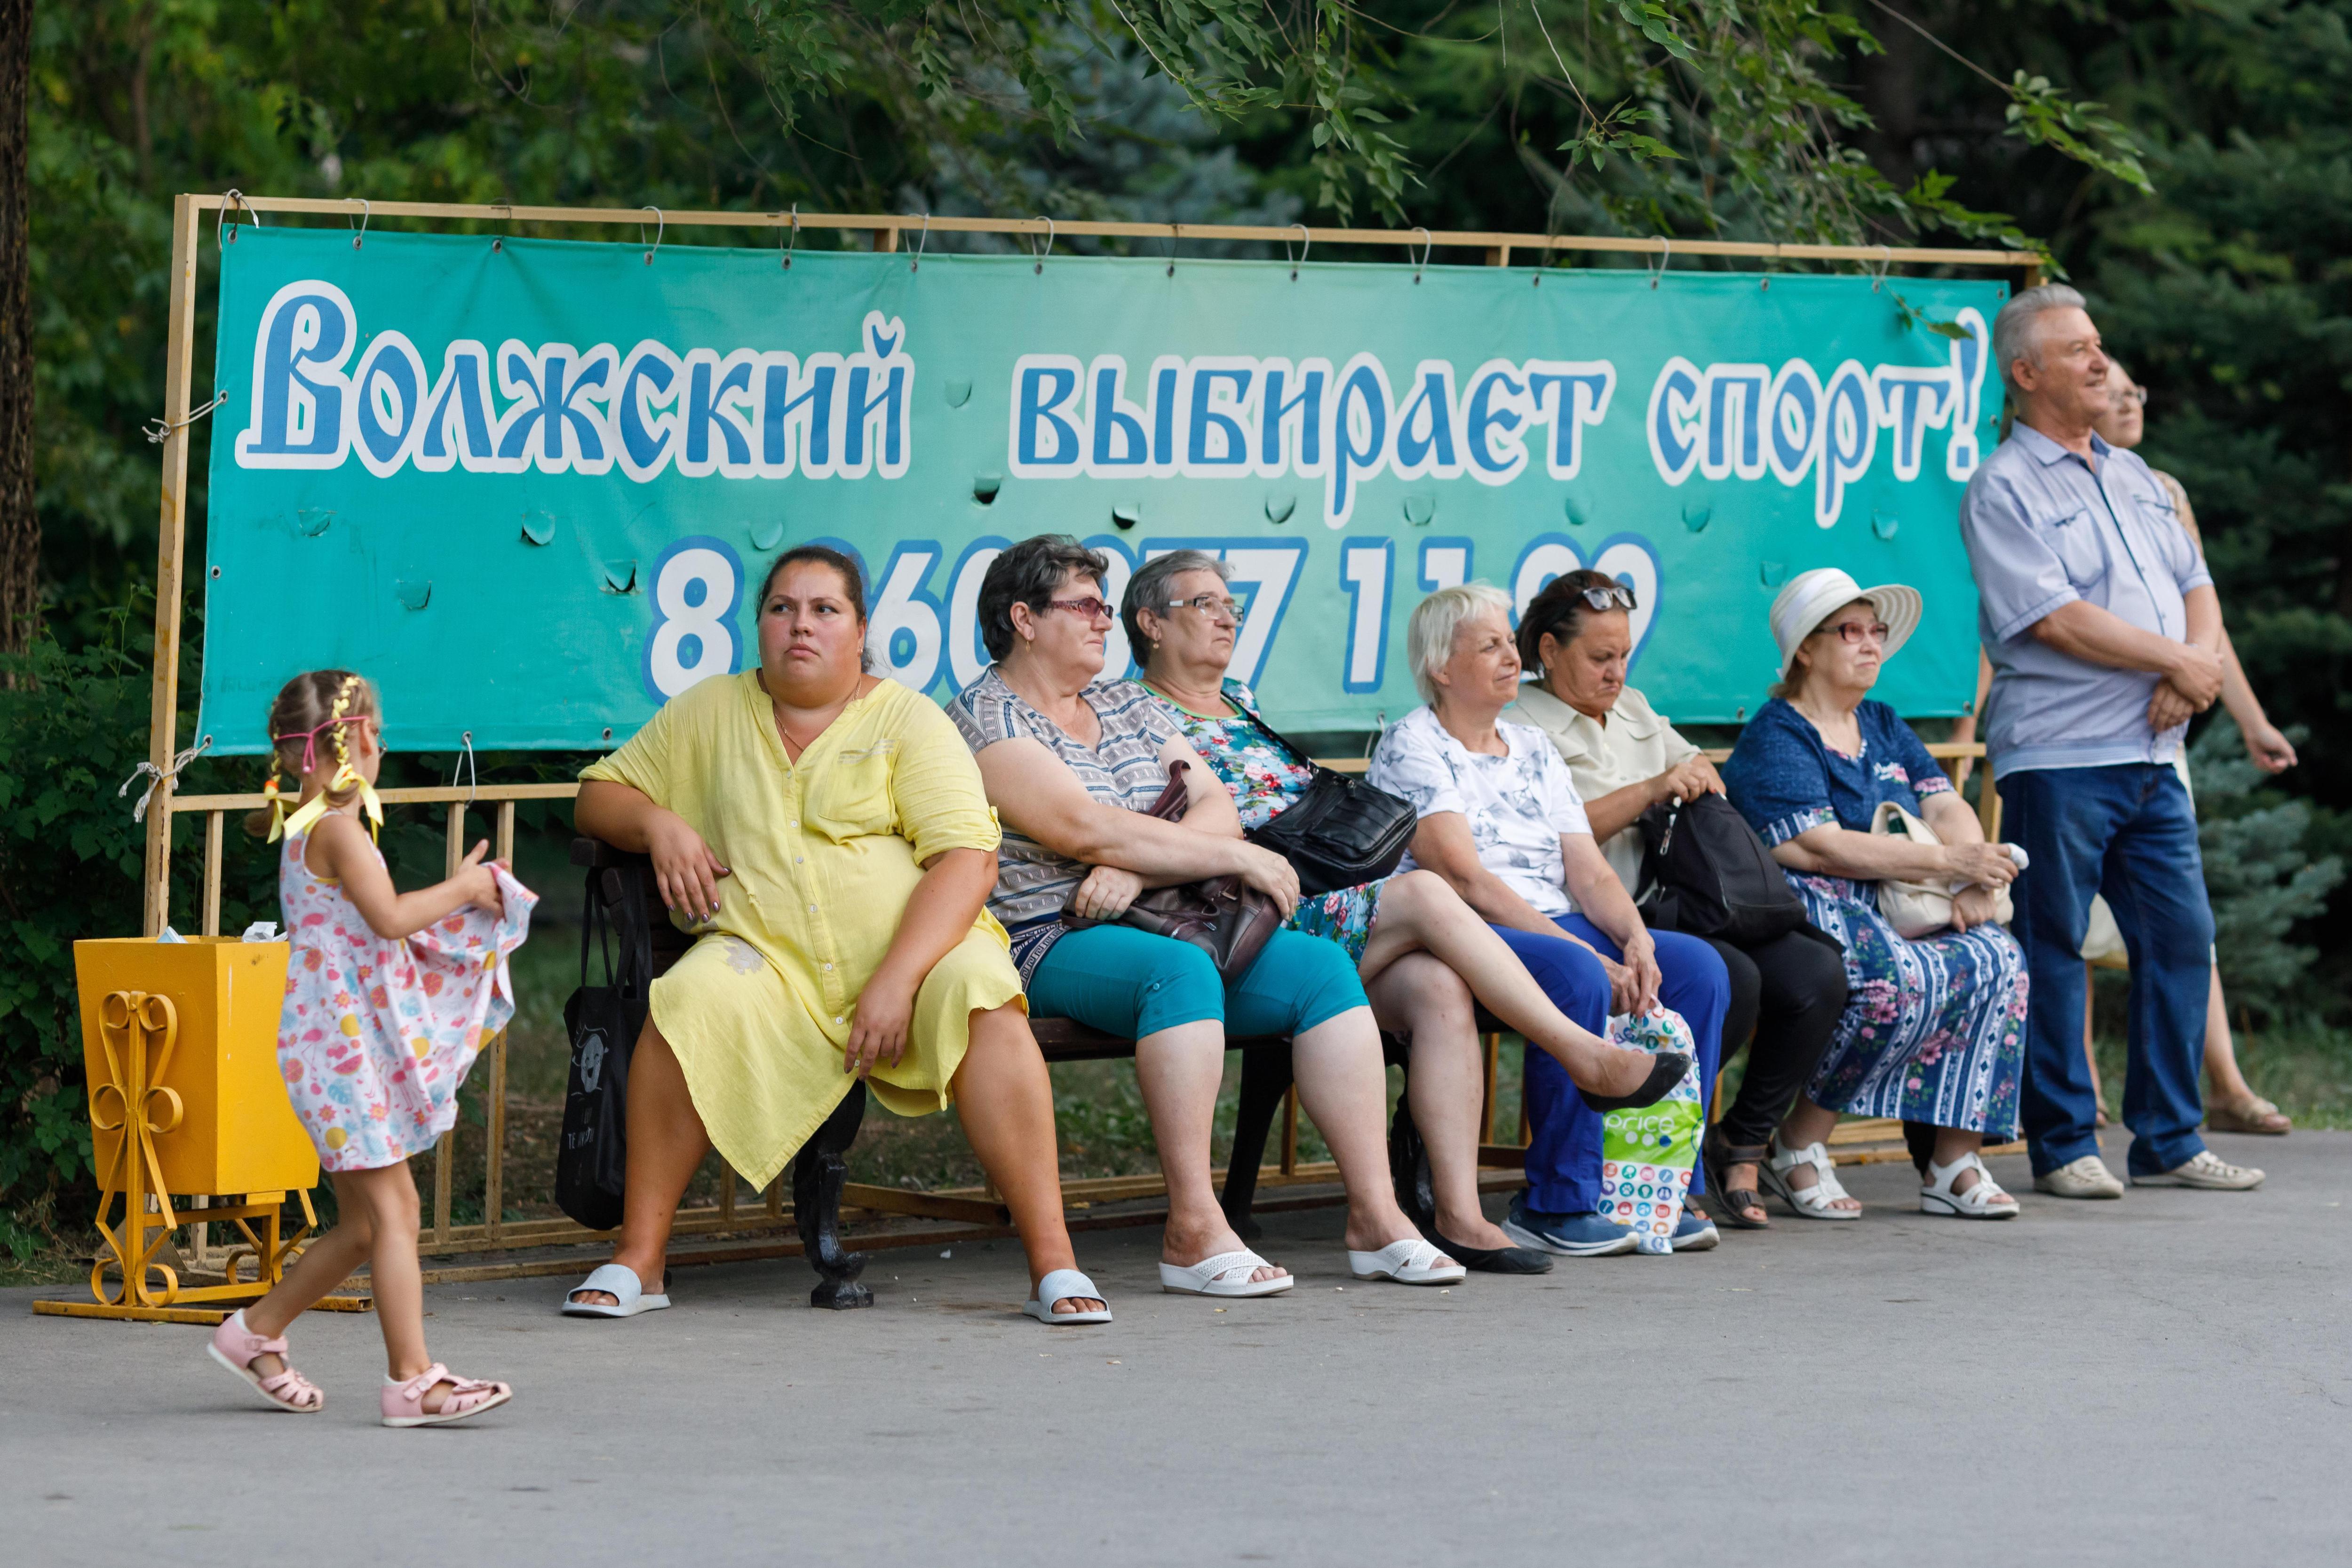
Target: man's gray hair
1437,620
2012,329
1147,589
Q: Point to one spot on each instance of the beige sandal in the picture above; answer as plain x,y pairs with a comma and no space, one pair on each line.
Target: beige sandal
2252,1114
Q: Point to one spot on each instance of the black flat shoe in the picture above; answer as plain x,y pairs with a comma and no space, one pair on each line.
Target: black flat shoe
1490,1259
1667,1069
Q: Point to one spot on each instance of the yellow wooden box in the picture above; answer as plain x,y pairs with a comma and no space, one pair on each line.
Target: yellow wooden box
237,1131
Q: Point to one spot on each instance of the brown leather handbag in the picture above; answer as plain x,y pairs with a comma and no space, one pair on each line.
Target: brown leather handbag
1224,917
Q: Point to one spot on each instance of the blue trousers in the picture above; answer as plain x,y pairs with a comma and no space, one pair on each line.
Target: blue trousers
1564,1133
1131,984
2128,832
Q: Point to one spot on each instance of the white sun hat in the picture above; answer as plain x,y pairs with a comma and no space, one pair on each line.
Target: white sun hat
1812,597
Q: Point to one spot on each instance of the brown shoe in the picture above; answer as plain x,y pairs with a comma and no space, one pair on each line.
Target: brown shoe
2252,1114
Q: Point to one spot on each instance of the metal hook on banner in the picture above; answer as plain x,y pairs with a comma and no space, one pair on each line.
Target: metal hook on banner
465,765
1305,244
921,238
1040,267
498,241
155,777
366,215
1428,245
792,237
228,236
660,224
1666,255
159,431
1886,265
1175,230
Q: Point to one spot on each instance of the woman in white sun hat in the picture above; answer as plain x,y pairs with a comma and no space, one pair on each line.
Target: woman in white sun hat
1933,1028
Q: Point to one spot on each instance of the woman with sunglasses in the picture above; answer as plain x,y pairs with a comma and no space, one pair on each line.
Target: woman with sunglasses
1073,765
1934,1029
1422,955
1625,758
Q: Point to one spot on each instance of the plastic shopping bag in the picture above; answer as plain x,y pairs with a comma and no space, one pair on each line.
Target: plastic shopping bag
1646,1155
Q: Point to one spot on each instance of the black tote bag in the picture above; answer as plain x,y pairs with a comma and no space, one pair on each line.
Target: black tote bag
602,1022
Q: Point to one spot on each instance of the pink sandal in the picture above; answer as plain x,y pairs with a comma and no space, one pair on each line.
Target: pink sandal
404,1401
236,1347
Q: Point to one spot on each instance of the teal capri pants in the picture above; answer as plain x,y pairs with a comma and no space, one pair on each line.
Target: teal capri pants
1131,984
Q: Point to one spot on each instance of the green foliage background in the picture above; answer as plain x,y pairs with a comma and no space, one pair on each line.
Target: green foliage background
2189,165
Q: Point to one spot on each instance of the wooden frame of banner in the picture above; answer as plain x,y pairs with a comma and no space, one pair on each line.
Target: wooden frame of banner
977,1208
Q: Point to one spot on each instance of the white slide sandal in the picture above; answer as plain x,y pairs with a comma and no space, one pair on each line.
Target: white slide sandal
1808,1203
621,1283
1412,1261
1226,1274
1977,1202
1060,1285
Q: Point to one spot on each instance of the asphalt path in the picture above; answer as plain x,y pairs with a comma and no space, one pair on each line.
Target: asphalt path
2162,1380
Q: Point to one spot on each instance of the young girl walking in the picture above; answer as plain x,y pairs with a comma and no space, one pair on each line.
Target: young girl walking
388,999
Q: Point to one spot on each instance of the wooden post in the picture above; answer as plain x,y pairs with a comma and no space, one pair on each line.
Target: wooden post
885,239
494,1153
213,820
164,709
1499,256
445,1150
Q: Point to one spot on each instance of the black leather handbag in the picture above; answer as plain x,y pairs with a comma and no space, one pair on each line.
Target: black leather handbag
1224,917
1341,833
1705,873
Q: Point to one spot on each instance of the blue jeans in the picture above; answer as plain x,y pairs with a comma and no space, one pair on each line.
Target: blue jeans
1564,1133
2126,831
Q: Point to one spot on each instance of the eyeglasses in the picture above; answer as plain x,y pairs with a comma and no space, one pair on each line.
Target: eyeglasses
1616,596
1212,607
2136,395
1856,631
1093,609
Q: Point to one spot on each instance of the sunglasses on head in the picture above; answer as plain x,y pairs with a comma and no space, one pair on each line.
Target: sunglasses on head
1615,596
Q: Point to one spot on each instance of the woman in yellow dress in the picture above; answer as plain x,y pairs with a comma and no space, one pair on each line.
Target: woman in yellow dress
825,832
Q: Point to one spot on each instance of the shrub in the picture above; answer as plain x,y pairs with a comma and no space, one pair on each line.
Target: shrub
2258,873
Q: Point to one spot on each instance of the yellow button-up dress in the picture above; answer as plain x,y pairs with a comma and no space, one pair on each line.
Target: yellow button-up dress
825,855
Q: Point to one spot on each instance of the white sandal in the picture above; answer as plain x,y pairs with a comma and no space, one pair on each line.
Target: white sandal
1412,1261
1977,1202
1806,1203
1064,1285
1226,1274
620,1282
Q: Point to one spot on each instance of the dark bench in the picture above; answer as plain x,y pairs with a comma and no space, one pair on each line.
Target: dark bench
646,945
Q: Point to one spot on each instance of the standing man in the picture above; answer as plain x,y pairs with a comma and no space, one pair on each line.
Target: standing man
2105,636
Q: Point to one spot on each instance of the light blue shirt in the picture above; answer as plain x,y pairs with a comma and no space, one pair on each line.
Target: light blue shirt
2042,529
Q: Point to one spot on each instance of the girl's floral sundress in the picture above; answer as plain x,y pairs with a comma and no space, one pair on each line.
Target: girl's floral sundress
377,1035
1265,780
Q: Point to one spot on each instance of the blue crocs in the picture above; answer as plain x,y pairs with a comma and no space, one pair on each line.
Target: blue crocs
1569,1234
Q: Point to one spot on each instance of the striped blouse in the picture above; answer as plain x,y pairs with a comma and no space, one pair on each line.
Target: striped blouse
1124,769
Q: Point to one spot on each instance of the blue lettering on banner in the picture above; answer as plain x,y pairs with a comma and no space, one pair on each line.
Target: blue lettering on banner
698,588
1445,564
1366,565
557,409
324,390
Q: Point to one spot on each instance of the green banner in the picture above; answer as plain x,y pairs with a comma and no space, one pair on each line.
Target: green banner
527,486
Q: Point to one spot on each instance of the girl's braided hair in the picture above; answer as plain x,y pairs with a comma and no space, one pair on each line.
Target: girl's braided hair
304,704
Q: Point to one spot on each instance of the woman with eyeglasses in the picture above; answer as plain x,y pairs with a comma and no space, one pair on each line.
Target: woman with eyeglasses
1625,758
1422,955
1073,765
1934,1029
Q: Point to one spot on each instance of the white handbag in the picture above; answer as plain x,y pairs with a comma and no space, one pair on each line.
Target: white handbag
1921,909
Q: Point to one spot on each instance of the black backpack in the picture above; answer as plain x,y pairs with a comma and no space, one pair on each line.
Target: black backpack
1705,873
